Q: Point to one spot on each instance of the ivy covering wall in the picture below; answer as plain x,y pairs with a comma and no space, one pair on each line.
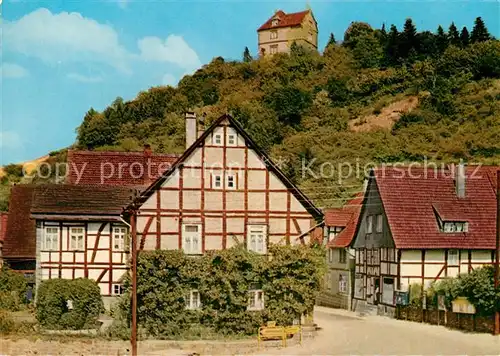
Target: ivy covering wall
290,278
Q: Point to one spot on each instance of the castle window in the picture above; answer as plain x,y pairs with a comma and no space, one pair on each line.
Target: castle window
274,35
275,22
274,49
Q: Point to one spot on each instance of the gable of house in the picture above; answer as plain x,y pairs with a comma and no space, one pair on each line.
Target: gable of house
347,217
223,184
280,19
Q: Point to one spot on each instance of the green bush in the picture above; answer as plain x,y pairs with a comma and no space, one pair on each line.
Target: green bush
290,277
13,287
52,303
6,322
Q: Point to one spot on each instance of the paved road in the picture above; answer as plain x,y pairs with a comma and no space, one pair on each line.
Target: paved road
342,333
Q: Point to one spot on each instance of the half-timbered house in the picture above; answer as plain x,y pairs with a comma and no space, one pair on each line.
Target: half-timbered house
80,233
340,226
222,191
419,225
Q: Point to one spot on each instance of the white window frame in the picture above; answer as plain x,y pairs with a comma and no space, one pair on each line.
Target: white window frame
217,137
369,224
51,240
119,234
188,244
275,22
231,177
217,181
455,260
255,299
234,138
76,239
253,243
379,223
273,35
273,49
342,283
192,302
118,287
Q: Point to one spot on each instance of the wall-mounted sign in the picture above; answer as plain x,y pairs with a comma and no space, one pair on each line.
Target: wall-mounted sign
401,298
463,306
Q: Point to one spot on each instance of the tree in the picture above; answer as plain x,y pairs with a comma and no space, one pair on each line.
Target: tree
479,32
464,37
441,39
453,35
331,41
368,51
392,46
354,32
408,38
247,57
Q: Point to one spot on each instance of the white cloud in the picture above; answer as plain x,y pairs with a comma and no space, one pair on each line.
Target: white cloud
84,78
173,50
12,70
56,38
10,139
169,79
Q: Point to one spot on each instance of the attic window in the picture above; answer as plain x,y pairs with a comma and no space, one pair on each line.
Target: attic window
275,22
455,226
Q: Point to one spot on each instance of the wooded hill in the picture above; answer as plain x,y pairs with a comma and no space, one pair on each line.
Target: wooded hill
378,96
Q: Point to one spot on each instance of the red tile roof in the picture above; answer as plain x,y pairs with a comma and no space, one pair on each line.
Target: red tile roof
412,198
20,235
69,199
285,20
3,225
117,168
346,217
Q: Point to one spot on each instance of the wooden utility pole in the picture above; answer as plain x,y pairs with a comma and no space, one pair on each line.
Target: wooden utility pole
133,332
497,256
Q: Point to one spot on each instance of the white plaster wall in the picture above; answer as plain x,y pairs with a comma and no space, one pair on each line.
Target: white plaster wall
170,242
235,200
150,203
256,180
169,224
235,225
235,157
214,242
172,181
169,199
191,178
257,201
213,157
277,226
277,201
411,255
213,225
434,256
254,160
194,159
191,199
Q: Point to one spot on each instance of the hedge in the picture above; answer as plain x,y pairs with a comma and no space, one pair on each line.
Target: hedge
13,287
290,277
52,309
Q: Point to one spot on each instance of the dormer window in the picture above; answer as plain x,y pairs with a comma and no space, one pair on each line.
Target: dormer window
275,22
455,226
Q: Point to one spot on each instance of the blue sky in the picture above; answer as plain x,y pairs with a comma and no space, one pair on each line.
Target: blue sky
59,58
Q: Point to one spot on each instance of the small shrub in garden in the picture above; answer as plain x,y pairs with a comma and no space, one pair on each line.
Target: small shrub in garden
6,322
52,304
13,287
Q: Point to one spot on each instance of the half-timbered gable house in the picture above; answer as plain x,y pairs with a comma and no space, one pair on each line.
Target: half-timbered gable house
419,225
222,191
80,233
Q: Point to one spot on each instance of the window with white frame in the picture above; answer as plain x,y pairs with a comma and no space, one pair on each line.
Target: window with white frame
369,224
455,226
193,301
274,35
231,139
333,231
51,239
217,139
119,234
380,223
342,283
275,22
76,238
256,239
452,257
217,181
255,299
231,181
191,239
117,289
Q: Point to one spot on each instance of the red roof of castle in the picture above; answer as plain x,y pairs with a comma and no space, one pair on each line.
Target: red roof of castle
413,198
285,20
20,234
346,217
117,168
3,225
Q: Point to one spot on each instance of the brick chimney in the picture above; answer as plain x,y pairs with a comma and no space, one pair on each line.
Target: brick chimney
460,180
191,128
